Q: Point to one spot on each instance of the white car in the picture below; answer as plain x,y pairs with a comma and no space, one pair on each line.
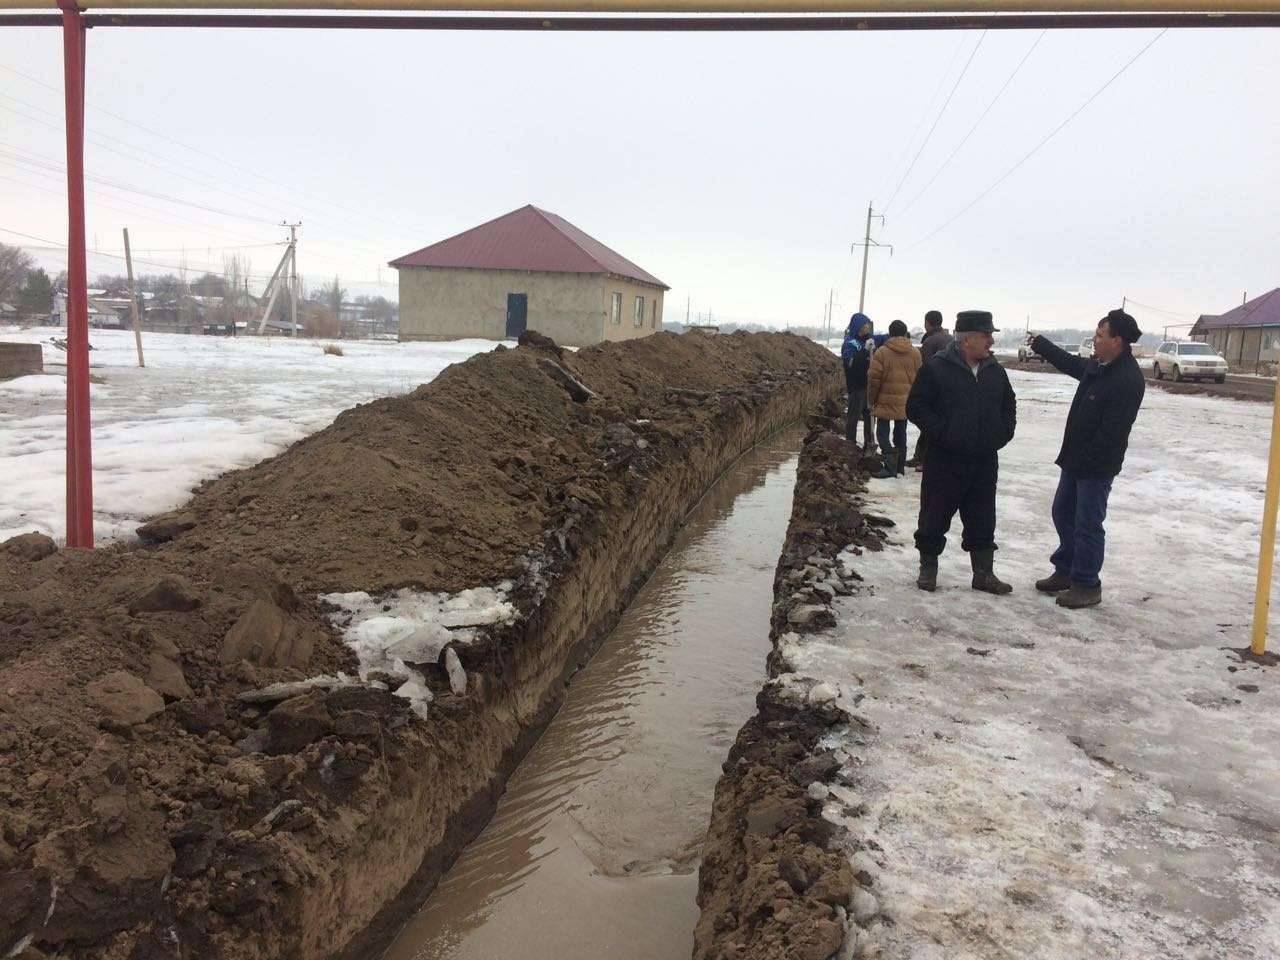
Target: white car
1189,361
1026,354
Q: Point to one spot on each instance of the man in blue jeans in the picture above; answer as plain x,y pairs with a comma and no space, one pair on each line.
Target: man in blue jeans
1093,447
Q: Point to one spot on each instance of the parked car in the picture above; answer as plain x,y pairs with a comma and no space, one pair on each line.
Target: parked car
1086,347
1189,361
1026,354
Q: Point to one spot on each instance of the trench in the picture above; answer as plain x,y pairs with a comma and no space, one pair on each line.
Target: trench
594,845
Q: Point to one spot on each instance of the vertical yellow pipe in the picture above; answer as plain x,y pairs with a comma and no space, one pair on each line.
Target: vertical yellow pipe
1267,553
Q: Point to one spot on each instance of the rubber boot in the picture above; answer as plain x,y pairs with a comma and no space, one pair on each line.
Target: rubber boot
1078,597
887,465
984,578
1057,583
928,579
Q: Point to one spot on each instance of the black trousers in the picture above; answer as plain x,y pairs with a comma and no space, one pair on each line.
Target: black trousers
899,433
963,484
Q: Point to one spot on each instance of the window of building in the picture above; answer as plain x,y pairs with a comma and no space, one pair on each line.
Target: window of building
655,314
616,311
639,311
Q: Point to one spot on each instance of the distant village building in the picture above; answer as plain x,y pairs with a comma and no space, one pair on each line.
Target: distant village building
1247,336
529,269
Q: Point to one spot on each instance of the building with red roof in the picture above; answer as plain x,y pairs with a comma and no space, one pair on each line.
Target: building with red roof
528,269
1247,336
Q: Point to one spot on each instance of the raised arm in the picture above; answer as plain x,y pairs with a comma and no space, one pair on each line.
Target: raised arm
1071,366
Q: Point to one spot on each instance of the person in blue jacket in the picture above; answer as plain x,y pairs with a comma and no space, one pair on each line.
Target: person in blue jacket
855,356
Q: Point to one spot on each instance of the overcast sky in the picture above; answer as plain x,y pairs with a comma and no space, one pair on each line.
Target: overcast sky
736,168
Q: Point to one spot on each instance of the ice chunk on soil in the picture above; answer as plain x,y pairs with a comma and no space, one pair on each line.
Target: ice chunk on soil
390,633
457,676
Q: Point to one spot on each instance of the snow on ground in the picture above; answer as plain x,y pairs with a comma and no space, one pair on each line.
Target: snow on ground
1059,785
202,405
388,633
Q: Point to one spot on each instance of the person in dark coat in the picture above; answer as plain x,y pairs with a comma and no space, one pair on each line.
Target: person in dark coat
963,403
935,338
1093,446
855,356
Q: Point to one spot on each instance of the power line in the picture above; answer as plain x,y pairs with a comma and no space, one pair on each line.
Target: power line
955,55
977,123
39,162
361,216
1147,306
1034,150
167,217
954,87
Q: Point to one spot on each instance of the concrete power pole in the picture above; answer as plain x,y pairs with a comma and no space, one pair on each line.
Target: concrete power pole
133,298
867,244
293,275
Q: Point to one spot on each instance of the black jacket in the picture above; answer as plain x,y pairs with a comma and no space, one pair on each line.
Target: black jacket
1102,414
855,371
963,415
934,343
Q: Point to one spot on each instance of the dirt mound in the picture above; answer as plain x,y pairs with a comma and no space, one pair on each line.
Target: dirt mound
773,884
148,810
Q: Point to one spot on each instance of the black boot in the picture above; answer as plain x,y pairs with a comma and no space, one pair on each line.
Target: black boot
1054,584
984,578
902,462
1078,597
887,468
928,579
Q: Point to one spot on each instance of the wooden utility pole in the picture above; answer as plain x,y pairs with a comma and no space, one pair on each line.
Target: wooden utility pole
133,298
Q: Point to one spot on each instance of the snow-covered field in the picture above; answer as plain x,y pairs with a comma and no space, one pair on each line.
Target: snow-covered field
202,405
1056,785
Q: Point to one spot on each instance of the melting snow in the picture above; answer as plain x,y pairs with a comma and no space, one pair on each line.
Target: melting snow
202,405
1059,785
390,633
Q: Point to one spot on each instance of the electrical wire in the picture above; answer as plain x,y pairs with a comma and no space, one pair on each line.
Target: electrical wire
361,216
977,123
936,120
1147,306
1034,150
906,147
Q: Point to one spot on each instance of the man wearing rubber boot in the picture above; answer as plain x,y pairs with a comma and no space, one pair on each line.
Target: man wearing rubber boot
963,403
1093,446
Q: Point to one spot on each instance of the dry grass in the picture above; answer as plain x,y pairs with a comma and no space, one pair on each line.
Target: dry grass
333,350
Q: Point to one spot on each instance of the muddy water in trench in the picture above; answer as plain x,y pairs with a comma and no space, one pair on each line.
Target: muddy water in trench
593,849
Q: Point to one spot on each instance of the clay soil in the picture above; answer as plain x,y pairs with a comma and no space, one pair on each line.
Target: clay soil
145,810
774,883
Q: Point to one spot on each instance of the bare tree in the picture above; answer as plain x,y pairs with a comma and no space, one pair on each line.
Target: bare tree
14,264
332,295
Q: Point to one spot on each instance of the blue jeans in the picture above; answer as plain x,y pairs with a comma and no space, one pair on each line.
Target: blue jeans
1079,509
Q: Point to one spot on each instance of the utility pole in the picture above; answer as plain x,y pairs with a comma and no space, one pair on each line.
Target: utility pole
687,302
133,298
867,244
293,274
831,302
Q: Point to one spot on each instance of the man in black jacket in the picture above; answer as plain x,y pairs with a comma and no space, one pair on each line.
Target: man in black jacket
963,403
1093,447
935,340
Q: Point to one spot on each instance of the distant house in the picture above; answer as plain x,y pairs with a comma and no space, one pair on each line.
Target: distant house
527,269
1247,336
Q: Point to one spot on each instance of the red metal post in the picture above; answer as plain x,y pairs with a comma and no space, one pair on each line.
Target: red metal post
79,448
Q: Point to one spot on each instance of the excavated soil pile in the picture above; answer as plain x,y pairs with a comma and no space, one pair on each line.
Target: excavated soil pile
773,883
160,798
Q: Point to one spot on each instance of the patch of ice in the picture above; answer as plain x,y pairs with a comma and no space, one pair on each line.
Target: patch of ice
391,633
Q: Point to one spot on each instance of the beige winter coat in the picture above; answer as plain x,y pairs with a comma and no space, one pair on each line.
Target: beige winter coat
893,370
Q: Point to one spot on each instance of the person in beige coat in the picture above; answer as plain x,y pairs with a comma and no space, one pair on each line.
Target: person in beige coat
893,370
